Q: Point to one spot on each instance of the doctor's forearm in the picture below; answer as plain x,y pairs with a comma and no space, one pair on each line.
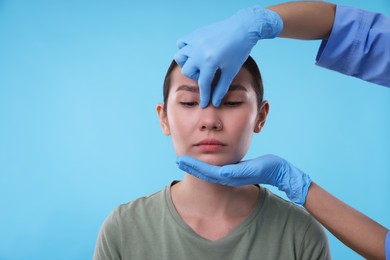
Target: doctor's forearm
351,227
306,20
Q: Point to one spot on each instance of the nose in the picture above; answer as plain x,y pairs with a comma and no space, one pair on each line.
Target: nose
210,120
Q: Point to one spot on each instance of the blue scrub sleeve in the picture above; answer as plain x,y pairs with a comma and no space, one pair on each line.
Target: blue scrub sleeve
387,245
358,45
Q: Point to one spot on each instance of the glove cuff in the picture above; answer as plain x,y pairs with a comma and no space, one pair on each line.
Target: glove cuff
269,23
298,194
295,183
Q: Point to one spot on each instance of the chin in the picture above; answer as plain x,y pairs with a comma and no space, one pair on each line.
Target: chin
217,159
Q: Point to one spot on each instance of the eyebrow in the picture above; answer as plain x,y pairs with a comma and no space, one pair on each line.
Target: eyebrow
235,87
189,88
195,89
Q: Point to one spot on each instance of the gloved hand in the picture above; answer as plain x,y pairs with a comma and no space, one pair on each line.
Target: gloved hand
224,45
267,169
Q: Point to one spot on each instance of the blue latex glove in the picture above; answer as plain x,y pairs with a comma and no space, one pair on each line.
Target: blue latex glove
267,169
224,45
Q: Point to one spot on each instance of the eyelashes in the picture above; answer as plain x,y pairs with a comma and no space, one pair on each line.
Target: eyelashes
232,103
225,103
189,104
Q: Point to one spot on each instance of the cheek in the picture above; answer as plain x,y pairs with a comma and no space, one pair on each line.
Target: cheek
179,121
241,130
244,133
181,126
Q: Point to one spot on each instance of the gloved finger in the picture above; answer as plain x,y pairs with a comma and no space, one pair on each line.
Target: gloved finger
183,54
183,41
206,77
222,87
241,170
180,59
264,165
190,69
197,174
180,43
199,167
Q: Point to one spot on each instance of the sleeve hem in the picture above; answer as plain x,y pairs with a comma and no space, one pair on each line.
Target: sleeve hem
338,51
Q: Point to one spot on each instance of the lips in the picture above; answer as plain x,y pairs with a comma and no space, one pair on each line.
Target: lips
210,145
210,142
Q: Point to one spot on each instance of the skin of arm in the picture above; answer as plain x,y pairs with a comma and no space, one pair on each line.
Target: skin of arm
353,228
311,21
306,20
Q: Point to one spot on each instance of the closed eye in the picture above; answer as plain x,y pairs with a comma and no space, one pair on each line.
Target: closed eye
189,104
232,103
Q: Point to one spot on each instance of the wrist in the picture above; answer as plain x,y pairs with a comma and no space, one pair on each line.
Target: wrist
299,187
387,245
295,183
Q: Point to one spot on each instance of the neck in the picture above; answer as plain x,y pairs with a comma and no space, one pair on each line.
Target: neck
199,198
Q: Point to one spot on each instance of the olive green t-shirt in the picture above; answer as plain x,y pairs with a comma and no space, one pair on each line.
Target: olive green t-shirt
151,228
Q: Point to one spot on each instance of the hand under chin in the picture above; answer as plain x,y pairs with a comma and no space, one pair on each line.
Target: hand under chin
217,159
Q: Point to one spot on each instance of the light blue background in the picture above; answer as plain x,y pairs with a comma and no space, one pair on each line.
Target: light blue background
79,135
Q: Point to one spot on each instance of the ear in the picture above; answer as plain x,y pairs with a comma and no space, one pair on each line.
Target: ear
261,116
162,115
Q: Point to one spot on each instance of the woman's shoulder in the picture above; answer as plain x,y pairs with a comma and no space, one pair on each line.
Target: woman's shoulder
294,223
283,210
140,206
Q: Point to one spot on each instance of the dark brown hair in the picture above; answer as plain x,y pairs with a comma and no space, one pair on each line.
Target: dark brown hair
250,65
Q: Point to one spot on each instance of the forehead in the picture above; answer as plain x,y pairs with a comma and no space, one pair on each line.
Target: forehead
178,80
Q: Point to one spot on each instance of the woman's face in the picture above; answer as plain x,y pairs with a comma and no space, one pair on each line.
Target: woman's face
216,136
